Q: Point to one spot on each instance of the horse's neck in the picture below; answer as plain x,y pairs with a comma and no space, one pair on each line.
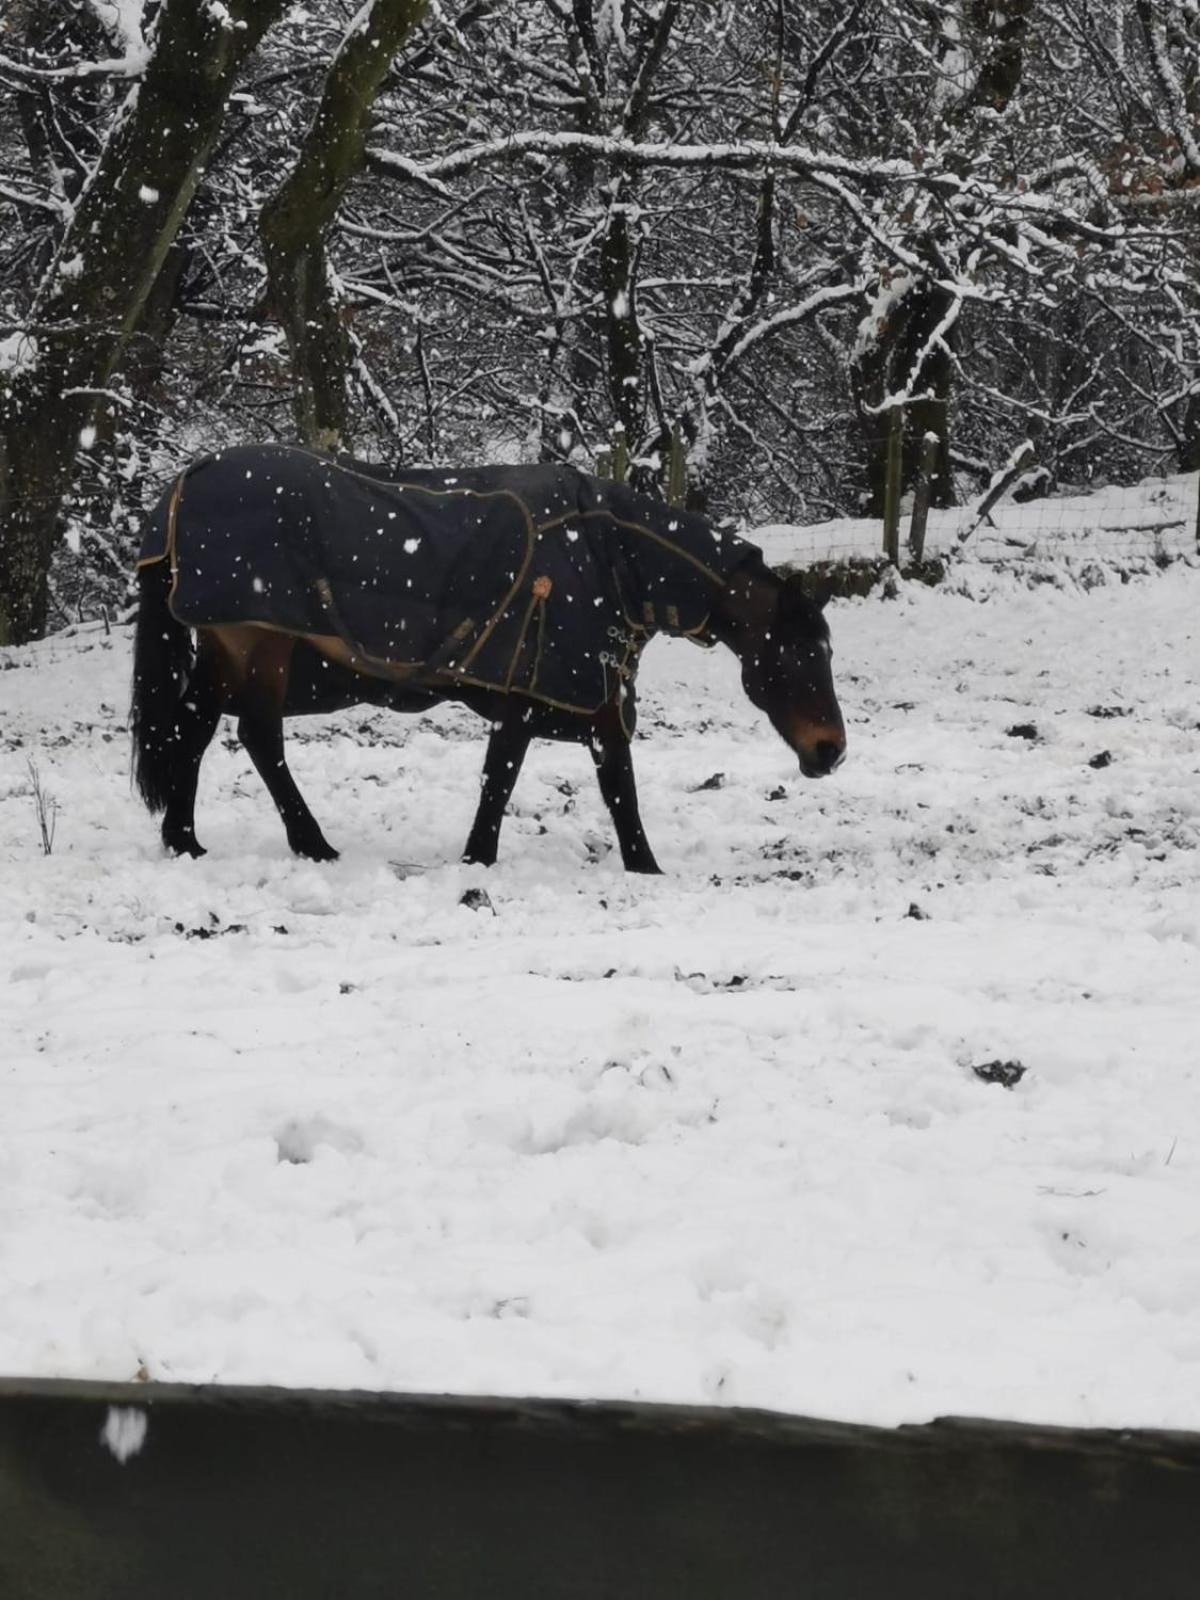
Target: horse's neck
679,572
746,605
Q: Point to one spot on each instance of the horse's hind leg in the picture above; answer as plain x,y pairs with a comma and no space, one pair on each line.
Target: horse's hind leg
196,720
614,770
260,697
505,752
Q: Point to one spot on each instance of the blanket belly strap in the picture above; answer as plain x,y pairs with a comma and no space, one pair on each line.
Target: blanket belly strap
442,659
537,602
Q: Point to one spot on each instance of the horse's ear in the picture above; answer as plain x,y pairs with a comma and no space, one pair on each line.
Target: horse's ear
803,589
821,592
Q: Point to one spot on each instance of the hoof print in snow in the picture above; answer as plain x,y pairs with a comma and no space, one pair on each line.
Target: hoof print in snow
212,930
1105,712
477,900
778,793
1024,730
293,1145
297,1141
717,781
916,914
1103,758
1006,1073
404,869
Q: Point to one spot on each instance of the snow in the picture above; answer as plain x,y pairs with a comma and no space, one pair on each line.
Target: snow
889,295
360,23
124,1432
710,1137
221,15
122,21
18,353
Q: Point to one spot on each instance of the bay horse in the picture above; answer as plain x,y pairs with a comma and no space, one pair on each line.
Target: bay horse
310,583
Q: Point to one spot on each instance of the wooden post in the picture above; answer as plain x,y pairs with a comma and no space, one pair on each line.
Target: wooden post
1000,485
891,498
921,493
676,468
620,454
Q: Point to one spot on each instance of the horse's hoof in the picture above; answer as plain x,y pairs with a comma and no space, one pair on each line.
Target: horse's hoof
473,859
185,845
318,851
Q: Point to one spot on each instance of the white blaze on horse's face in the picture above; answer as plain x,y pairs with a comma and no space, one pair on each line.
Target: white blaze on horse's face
790,677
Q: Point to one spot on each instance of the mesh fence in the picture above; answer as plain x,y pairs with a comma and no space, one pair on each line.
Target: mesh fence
1116,527
1134,526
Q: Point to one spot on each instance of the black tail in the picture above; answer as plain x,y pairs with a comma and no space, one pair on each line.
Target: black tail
162,658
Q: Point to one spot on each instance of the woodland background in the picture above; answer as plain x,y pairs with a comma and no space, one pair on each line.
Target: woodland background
501,231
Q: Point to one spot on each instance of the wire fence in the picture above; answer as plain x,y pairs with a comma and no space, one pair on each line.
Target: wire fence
1123,528
1152,522
1136,526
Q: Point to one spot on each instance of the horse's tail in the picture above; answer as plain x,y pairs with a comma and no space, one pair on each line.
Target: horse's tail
162,657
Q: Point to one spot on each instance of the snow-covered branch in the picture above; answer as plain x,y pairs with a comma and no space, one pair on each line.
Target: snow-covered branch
735,156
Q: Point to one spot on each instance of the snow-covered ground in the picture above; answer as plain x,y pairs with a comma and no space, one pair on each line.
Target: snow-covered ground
711,1137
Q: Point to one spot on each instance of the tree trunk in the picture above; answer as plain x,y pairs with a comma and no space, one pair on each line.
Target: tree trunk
1001,26
92,296
884,365
293,223
713,370
1189,439
899,353
623,338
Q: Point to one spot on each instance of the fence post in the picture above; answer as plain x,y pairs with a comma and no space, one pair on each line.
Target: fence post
891,494
676,468
921,494
1000,485
620,454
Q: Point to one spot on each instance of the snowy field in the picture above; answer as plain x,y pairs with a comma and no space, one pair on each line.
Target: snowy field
714,1137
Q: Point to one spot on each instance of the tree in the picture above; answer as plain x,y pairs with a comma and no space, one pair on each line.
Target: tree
293,222
761,229
112,248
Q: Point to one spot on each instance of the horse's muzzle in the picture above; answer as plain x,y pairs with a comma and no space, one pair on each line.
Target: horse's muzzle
819,760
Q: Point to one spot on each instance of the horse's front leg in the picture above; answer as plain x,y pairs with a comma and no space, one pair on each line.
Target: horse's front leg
501,765
614,769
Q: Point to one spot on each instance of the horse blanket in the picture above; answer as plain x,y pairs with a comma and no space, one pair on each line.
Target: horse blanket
535,580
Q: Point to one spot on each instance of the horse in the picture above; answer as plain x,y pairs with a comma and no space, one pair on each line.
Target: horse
276,581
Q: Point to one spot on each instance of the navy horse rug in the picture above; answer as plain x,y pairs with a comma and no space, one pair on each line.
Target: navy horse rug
535,580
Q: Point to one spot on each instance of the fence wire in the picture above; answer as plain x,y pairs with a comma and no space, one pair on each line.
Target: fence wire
1150,523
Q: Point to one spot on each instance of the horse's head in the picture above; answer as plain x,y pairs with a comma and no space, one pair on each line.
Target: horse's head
786,671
